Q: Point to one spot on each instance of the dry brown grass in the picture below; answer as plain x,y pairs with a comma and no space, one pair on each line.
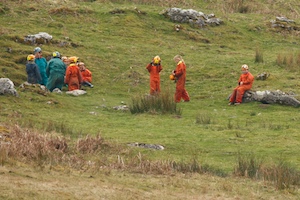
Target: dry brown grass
288,61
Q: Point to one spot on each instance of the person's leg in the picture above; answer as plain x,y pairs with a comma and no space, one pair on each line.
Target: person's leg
239,94
157,86
185,95
233,96
152,87
178,95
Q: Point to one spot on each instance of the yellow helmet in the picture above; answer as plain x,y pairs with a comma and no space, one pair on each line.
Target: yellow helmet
56,54
156,60
172,77
73,59
30,57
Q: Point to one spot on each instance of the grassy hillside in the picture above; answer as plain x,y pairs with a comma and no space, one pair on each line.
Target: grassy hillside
116,47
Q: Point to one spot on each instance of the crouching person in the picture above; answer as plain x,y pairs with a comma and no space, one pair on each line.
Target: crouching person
73,75
86,75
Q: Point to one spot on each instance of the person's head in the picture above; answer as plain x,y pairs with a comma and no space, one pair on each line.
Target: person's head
66,60
73,59
56,54
30,57
37,52
245,69
156,60
177,58
81,66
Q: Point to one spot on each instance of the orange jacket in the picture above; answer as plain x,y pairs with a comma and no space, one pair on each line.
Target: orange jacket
73,77
180,74
247,80
86,75
154,70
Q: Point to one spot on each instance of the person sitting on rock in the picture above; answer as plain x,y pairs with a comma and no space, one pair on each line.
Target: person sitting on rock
244,83
86,75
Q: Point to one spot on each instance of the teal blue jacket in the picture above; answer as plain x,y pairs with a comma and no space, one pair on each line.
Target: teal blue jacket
42,65
56,71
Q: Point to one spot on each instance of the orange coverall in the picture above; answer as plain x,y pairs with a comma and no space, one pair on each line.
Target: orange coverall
238,92
86,75
73,77
180,74
154,71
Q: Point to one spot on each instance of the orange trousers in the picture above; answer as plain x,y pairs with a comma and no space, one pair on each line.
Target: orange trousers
181,93
154,86
237,94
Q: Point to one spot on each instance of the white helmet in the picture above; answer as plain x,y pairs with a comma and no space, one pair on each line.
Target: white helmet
244,66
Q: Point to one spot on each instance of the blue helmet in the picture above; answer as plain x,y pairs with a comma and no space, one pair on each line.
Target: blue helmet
37,50
56,54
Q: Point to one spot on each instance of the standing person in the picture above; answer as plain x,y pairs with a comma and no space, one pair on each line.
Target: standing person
41,62
86,75
32,70
154,69
56,71
180,75
73,75
244,83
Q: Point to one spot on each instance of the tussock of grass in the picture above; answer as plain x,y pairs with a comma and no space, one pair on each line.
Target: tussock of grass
282,175
163,103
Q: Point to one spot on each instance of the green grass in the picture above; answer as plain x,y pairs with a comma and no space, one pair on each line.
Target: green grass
117,48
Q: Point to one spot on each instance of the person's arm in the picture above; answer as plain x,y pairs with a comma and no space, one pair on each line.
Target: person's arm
249,80
178,72
148,67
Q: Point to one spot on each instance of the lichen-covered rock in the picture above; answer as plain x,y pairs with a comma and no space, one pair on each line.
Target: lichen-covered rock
76,92
271,97
7,87
191,16
39,38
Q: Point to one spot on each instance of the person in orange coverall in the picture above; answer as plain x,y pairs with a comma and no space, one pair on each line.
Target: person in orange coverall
73,75
154,69
86,75
245,83
180,76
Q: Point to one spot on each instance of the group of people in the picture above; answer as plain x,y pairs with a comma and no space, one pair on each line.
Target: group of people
179,75
60,71
57,72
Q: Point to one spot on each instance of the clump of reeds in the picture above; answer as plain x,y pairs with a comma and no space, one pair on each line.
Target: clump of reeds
162,103
259,56
289,61
247,166
283,175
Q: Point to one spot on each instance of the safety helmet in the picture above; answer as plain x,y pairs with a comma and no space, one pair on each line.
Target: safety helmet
172,77
37,50
30,57
81,64
73,59
156,60
56,54
245,67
